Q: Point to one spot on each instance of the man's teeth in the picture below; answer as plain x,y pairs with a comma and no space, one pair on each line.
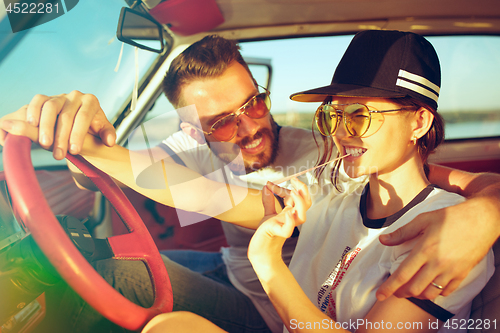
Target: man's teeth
254,144
355,152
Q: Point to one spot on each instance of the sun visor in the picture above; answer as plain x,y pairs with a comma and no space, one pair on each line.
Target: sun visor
188,17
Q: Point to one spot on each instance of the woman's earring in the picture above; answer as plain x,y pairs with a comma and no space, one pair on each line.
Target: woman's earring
414,140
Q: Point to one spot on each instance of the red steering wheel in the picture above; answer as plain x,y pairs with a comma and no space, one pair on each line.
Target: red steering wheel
31,206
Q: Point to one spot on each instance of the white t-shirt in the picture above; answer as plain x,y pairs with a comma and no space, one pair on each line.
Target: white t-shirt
340,263
297,152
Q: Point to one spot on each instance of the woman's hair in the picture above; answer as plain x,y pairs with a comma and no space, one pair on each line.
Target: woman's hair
426,145
206,58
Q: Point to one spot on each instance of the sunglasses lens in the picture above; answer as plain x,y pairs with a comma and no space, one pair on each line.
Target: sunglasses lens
258,106
326,120
225,129
357,119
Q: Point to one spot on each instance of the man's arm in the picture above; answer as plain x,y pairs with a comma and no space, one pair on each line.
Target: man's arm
192,191
467,184
63,122
451,241
84,183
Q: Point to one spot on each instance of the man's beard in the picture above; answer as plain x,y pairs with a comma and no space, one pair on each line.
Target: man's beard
229,152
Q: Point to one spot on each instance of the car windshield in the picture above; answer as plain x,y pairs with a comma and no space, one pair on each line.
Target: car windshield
77,51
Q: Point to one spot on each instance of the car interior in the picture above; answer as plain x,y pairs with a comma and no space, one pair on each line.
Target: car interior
51,230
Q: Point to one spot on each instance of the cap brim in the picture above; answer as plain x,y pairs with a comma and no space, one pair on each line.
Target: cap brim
343,90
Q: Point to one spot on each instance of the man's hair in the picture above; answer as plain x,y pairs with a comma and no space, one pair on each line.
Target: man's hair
207,58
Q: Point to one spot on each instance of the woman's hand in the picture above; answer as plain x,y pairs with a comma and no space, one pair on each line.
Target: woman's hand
298,199
267,242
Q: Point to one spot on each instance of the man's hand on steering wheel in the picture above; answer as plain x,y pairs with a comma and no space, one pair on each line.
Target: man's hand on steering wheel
62,122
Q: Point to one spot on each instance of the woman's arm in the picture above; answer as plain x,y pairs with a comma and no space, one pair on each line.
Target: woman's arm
299,314
264,252
295,309
398,315
293,306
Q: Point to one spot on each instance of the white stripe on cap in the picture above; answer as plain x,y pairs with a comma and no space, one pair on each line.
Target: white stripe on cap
430,89
419,89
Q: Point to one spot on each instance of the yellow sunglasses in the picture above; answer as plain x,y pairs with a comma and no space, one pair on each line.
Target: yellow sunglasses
358,118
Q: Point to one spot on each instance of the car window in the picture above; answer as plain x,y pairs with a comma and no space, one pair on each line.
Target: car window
468,98
298,64
470,70
77,51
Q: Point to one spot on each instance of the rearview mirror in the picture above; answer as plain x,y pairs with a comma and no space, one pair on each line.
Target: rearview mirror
261,70
137,29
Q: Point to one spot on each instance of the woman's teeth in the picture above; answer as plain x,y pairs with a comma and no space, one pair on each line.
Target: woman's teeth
355,152
253,144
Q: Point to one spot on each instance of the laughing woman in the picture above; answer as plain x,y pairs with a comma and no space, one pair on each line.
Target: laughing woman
380,109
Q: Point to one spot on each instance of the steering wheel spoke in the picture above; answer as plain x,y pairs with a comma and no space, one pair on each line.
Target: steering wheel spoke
129,246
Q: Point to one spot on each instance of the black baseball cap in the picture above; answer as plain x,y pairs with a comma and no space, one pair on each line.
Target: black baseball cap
382,63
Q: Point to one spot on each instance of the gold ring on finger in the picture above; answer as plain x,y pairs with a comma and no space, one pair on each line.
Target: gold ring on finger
440,287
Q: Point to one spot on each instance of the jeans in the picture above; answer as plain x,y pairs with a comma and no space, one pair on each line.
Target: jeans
205,290
209,264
